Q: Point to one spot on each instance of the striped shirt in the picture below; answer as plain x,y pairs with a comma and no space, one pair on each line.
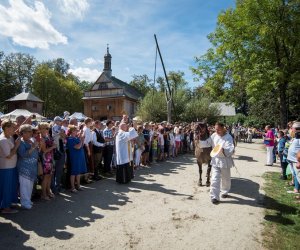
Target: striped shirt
107,134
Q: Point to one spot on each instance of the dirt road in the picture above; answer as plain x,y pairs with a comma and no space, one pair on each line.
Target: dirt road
162,209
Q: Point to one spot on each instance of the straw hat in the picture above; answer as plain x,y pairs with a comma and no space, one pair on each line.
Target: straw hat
217,151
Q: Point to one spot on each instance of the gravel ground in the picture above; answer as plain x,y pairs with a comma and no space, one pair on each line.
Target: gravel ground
163,208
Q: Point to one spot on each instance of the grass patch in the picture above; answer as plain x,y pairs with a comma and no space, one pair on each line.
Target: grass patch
282,217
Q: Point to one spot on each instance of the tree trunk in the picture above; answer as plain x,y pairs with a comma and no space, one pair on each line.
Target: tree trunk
283,104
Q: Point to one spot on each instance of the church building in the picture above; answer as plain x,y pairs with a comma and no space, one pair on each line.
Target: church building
110,97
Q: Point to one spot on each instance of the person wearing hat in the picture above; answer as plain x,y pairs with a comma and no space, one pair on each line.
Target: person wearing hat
221,163
294,148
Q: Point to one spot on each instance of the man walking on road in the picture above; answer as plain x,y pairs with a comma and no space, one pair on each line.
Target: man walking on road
221,163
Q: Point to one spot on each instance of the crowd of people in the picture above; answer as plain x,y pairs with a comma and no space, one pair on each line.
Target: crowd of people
65,152
285,145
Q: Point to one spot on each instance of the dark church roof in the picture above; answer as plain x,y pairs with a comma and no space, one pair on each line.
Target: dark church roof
130,91
105,81
25,97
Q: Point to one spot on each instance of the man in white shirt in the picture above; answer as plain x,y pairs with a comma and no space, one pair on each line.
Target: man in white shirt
221,163
124,171
88,146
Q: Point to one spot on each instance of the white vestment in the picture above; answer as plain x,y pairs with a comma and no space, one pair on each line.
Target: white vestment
221,165
123,146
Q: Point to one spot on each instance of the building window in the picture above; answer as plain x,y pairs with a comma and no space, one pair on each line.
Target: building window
103,86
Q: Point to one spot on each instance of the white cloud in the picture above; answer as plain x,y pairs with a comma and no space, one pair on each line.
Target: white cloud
28,26
91,61
87,74
74,8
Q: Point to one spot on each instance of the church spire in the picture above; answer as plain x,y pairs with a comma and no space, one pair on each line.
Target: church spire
107,62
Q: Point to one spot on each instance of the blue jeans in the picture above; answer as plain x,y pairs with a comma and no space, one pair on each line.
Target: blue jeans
296,182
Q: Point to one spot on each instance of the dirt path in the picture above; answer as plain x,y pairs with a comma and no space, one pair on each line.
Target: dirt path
162,209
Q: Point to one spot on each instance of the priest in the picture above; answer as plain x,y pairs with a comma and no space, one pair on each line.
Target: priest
123,151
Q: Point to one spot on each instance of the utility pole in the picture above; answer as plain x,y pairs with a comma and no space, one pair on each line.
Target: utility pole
168,92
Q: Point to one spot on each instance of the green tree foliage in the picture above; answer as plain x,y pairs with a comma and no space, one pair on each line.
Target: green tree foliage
255,54
200,110
161,84
153,107
16,71
176,80
141,83
188,105
58,92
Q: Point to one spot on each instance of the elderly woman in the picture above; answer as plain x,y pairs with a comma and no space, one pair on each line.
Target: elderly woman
75,144
47,146
8,170
27,165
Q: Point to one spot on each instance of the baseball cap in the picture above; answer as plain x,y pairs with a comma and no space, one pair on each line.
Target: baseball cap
57,119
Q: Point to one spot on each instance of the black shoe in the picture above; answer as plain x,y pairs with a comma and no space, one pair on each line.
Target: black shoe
215,201
283,178
97,178
224,196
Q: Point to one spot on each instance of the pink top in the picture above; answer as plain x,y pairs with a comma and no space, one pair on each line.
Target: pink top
270,134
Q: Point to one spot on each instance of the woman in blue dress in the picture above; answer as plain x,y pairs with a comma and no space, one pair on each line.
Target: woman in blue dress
77,157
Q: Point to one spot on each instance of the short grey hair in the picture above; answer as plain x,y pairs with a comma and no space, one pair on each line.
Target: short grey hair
25,128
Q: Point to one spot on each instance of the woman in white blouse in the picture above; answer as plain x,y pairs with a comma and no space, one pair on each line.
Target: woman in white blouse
8,170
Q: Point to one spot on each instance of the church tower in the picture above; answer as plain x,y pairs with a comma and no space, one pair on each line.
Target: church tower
107,63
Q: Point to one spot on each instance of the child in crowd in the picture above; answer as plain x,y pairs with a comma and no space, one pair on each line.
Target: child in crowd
140,141
280,148
172,143
154,146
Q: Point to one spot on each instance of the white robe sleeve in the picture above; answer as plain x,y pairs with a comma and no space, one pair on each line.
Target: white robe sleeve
228,146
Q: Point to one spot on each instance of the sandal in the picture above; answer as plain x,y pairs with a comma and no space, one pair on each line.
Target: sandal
45,198
51,195
74,190
9,211
79,188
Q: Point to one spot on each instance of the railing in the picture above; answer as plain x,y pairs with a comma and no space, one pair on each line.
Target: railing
104,92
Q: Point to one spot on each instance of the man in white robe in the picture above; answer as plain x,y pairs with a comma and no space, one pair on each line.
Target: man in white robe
123,152
221,163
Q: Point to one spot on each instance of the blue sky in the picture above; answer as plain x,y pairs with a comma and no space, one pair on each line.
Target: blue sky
78,31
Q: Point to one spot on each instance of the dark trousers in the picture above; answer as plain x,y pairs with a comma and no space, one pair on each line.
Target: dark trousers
107,156
56,178
283,165
97,162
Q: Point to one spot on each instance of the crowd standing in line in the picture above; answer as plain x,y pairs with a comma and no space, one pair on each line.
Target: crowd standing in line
66,153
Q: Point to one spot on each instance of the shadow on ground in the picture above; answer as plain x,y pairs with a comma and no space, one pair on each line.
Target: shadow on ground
244,158
51,219
248,194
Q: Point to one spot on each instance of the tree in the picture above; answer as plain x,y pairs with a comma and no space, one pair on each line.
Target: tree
256,48
153,107
161,84
176,80
141,83
58,92
59,65
199,110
